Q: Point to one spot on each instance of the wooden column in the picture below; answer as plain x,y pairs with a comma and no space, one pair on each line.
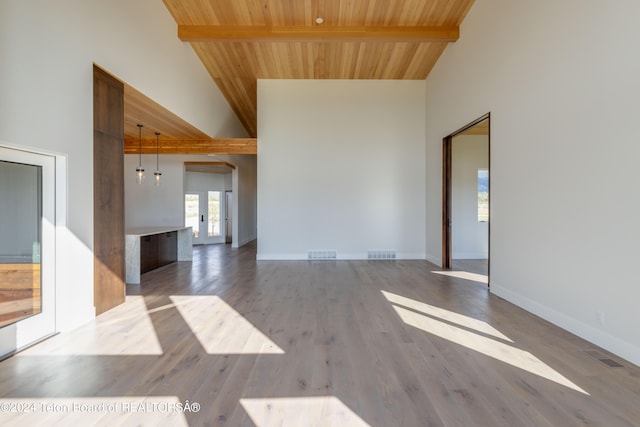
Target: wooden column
108,191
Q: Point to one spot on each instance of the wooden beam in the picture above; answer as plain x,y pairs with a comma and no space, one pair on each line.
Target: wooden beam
225,164
240,33
192,146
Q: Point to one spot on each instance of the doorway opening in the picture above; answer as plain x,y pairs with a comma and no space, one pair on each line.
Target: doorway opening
466,198
207,194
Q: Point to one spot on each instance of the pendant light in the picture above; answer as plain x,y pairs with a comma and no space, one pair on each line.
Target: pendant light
139,169
157,174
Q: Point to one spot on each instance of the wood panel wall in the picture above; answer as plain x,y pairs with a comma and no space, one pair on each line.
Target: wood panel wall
108,191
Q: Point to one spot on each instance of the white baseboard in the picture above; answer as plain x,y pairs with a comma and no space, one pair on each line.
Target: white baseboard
243,242
599,337
340,256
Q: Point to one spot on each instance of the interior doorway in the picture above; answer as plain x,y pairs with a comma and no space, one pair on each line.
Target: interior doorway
207,201
465,213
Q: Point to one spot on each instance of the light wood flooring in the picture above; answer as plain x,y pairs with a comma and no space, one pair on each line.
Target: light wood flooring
315,343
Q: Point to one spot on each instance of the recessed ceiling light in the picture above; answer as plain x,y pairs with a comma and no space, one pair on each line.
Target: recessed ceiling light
319,20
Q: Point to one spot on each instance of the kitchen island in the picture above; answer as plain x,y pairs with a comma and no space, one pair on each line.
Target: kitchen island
148,248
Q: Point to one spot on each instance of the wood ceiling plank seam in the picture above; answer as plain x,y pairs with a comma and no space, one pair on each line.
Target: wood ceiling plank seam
435,51
293,54
272,62
369,14
345,9
361,9
465,6
359,60
204,53
171,9
225,11
382,8
235,55
260,60
284,59
401,57
309,18
298,15
429,12
266,12
251,57
315,10
377,52
334,61
417,61
349,60
385,65
346,55
398,13
307,60
318,63
251,10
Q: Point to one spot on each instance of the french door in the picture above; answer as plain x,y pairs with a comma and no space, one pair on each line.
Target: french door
202,212
27,248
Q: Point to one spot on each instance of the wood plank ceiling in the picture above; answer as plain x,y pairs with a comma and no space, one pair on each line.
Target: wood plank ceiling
177,136
240,41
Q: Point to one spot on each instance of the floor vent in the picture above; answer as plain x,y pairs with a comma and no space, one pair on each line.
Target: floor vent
604,359
611,363
375,255
322,255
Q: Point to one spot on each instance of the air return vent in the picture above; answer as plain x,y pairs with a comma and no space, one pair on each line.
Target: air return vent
604,359
322,255
375,255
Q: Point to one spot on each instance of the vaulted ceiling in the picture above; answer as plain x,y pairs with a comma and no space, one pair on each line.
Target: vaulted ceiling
240,41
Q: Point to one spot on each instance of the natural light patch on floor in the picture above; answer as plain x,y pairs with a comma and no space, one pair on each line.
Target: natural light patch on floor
449,316
124,330
220,329
301,411
95,411
474,277
474,341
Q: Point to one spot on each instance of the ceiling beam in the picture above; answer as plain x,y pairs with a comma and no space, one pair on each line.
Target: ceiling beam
223,164
227,33
191,146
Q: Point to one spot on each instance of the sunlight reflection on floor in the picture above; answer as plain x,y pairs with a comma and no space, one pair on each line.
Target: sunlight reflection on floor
301,411
474,341
128,326
220,329
450,316
474,277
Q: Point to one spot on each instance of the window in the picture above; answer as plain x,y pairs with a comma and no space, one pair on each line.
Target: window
483,195
214,214
20,239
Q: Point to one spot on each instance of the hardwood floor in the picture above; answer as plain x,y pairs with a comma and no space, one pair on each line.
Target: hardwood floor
298,343
478,266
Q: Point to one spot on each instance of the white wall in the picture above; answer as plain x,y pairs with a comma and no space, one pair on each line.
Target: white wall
46,82
202,181
147,205
470,238
564,156
340,167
